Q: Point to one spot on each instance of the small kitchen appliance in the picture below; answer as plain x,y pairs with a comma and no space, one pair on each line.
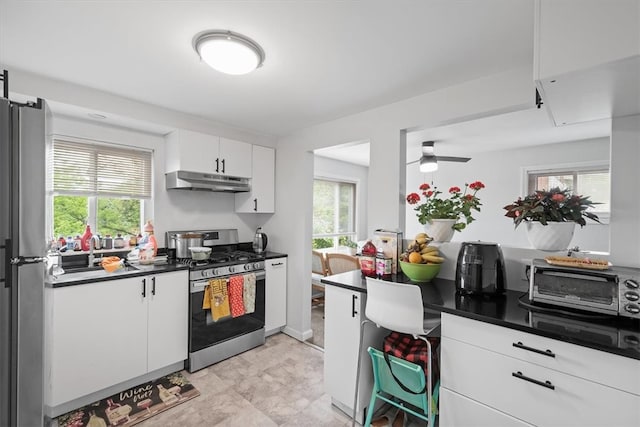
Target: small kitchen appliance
212,340
614,291
259,241
480,269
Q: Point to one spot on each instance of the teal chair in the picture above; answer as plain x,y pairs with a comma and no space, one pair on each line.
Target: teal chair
398,307
386,376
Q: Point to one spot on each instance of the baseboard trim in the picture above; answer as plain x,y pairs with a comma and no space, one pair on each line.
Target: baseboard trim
300,336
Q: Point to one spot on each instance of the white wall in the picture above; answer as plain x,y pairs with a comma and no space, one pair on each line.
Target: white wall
348,172
502,173
175,209
384,128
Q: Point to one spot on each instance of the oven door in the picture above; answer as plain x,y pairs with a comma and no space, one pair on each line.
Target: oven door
205,332
590,291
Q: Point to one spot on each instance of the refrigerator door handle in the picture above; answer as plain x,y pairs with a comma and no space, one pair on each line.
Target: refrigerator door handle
22,260
8,249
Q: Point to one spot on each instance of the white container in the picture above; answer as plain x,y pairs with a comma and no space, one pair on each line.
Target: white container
200,253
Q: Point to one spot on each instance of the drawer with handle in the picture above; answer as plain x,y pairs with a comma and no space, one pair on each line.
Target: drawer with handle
533,393
621,372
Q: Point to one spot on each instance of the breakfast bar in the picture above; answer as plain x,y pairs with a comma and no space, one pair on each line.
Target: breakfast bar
495,334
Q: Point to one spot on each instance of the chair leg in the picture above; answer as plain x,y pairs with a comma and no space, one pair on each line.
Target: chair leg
372,403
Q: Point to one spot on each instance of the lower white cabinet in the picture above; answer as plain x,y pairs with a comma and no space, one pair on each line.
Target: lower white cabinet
343,313
462,411
275,316
531,379
104,333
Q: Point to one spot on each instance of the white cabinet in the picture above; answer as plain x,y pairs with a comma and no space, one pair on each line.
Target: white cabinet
168,325
344,311
261,198
275,316
462,411
587,58
235,158
199,152
504,370
104,333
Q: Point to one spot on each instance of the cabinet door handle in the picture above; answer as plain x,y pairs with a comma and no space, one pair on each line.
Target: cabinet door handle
275,264
546,384
144,288
255,205
535,350
353,305
153,285
218,165
222,165
8,250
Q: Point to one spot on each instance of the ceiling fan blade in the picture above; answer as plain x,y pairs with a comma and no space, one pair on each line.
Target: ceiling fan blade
453,159
415,161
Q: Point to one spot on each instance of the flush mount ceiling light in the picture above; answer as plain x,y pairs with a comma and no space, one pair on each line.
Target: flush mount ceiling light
429,161
228,52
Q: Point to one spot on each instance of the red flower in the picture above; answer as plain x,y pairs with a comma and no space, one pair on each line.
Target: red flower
454,190
413,198
424,186
469,197
558,197
429,193
477,185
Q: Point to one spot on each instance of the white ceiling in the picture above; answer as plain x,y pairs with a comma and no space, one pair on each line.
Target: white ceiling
518,129
324,59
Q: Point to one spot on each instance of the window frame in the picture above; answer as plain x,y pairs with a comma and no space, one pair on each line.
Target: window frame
353,235
146,204
573,168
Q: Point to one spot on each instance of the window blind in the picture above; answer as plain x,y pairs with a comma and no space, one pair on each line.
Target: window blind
100,170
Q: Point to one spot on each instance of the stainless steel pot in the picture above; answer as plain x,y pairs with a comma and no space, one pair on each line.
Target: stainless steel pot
183,241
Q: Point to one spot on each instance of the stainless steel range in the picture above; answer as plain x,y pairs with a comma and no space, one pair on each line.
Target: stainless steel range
217,332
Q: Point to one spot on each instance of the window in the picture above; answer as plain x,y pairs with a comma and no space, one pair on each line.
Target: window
101,185
334,213
592,181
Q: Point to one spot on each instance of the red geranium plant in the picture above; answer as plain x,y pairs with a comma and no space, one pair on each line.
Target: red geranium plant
458,205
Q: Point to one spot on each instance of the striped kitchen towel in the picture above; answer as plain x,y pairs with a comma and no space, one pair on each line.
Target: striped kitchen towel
236,285
249,293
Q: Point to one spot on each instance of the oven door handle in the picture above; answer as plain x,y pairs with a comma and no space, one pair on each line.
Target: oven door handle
199,285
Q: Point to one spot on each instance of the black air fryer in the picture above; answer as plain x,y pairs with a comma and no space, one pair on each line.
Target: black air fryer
480,269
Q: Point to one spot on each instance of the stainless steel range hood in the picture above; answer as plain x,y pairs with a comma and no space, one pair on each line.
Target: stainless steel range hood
183,180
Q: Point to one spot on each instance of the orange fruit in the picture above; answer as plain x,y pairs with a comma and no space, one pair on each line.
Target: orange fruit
415,258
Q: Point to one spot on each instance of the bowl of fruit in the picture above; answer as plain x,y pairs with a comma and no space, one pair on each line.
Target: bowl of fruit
421,262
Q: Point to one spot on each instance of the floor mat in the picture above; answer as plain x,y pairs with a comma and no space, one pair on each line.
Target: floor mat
134,405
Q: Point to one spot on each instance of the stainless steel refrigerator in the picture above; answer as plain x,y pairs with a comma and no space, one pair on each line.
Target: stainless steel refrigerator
22,266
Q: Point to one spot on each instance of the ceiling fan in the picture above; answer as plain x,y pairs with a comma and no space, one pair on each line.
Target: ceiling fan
429,161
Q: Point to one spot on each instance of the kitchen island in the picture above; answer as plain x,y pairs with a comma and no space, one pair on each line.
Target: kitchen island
569,359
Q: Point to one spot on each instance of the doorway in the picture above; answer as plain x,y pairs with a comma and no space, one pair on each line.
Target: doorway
339,215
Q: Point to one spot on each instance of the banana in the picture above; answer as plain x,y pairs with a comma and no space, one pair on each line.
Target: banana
429,250
432,258
421,240
422,235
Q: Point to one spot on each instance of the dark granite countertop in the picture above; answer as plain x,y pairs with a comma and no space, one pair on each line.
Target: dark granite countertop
73,279
273,255
610,334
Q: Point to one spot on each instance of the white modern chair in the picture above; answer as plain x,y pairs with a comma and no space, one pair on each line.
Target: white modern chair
398,307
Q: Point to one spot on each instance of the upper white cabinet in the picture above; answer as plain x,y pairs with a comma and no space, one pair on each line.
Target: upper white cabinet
235,158
199,152
261,198
587,58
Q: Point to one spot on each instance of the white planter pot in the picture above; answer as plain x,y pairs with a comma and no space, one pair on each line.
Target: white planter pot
555,236
440,229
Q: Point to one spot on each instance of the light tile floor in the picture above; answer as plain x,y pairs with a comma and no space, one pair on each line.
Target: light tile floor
277,384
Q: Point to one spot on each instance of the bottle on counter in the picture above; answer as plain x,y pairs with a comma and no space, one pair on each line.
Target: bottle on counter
118,242
61,242
84,240
70,243
383,265
77,243
368,259
133,240
107,242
